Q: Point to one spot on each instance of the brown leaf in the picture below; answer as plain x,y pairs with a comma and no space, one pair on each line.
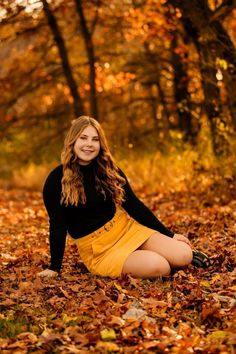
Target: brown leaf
7,303
65,293
154,302
27,337
116,320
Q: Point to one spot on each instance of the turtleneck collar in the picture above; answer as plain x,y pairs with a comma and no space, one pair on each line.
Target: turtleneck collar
88,168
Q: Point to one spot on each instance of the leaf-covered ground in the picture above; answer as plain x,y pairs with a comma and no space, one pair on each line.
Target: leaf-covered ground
192,311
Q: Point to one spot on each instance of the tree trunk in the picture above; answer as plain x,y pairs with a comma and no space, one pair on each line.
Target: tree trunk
91,59
181,93
213,104
196,20
154,83
228,53
78,106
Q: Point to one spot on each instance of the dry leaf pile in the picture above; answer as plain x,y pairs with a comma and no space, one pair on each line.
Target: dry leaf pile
192,311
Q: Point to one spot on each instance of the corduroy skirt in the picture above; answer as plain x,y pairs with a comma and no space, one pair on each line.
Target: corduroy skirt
105,250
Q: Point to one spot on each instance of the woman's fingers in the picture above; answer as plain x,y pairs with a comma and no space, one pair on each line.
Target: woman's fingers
47,273
182,238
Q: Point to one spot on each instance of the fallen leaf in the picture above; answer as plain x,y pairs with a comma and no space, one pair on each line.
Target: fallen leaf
154,302
7,303
108,334
217,335
116,320
107,347
134,314
28,337
205,283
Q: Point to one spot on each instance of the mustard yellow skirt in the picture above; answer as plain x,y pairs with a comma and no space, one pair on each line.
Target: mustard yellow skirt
105,250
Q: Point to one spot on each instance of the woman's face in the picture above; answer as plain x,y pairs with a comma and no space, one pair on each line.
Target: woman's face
87,145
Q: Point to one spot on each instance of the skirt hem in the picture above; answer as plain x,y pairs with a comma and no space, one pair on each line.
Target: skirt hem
105,251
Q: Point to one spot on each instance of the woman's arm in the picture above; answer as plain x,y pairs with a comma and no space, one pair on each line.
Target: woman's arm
57,222
138,211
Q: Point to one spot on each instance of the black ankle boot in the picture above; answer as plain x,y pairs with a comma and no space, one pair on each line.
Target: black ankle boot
200,259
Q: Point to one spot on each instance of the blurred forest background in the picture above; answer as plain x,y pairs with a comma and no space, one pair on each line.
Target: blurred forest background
160,75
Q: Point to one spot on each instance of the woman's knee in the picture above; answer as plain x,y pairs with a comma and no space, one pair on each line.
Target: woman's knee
185,255
146,264
165,268
157,265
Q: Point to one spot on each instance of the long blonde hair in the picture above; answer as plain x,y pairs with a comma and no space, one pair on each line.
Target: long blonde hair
107,178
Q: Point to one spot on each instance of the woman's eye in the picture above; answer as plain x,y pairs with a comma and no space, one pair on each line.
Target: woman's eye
83,138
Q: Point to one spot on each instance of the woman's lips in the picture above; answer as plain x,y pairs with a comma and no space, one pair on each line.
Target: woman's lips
88,151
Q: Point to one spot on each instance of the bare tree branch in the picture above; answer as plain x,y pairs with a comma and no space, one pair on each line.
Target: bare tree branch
223,10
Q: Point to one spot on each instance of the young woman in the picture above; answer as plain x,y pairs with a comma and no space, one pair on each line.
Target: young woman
89,197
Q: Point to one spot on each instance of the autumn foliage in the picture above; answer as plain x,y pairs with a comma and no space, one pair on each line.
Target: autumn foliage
153,72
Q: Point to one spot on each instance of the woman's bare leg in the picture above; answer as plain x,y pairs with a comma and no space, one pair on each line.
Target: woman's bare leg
146,264
177,253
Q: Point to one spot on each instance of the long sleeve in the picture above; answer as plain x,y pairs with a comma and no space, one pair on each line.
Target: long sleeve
57,223
138,211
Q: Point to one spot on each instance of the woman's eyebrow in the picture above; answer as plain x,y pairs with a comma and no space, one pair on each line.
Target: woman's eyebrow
95,136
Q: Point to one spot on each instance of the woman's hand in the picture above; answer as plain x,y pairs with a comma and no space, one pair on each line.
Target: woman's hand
182,238
47,273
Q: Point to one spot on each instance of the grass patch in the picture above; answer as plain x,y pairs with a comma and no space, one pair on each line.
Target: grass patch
177,169
10,328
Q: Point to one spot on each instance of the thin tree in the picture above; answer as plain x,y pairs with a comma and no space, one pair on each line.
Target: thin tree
77,102
182,96
88,42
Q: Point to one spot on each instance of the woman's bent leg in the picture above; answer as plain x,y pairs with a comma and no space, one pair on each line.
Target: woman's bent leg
177,253
146,264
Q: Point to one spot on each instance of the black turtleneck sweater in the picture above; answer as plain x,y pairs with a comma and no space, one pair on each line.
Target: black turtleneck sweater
83,219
